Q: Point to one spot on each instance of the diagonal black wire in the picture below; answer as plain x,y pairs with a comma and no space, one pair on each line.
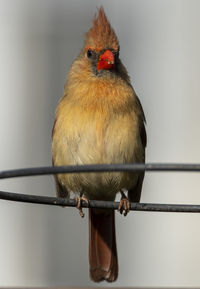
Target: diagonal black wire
97,204
159,167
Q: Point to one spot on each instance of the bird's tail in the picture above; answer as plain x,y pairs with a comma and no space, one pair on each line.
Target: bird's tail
102,246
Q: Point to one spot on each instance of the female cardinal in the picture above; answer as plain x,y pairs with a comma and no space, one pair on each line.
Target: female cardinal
99,120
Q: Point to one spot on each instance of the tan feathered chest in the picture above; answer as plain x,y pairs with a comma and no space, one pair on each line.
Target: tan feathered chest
97,122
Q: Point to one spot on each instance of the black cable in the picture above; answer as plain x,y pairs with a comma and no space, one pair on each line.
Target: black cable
100,168
97,204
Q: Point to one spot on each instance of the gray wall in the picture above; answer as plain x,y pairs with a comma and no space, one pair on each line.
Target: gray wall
160,45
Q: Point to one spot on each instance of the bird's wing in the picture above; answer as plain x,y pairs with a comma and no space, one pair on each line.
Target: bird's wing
61,191
134,193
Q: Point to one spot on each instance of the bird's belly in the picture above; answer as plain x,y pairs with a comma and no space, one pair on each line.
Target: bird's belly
97,142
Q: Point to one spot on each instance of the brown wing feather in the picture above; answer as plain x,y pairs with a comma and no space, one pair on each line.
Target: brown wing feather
134,193
61,191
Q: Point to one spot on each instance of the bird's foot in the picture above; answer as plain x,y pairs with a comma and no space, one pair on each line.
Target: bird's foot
124,204
79,200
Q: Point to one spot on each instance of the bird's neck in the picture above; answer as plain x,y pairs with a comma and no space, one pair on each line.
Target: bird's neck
100,93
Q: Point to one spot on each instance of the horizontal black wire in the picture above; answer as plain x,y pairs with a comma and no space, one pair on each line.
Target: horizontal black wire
99,168
159,167
97,204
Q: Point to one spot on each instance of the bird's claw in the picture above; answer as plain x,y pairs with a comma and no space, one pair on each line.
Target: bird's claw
124,205
79,200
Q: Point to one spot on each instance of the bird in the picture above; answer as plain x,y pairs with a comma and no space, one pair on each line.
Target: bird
99,120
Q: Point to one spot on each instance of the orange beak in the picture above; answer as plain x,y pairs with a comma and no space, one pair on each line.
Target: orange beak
106,60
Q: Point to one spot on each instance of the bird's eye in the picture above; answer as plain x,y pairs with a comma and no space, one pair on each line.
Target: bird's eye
90,53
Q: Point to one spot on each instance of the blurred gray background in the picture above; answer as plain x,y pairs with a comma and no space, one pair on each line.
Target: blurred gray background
160,46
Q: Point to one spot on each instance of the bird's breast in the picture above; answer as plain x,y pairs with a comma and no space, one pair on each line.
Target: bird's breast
95,135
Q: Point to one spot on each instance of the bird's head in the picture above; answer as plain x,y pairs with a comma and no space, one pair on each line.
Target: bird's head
101,49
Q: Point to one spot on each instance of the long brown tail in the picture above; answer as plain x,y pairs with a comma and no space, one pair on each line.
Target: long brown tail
102,246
